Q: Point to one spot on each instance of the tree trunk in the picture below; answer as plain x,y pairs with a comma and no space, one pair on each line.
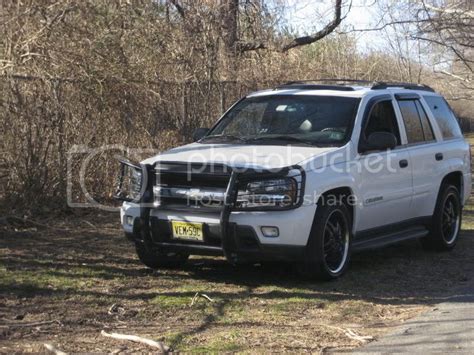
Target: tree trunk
229,16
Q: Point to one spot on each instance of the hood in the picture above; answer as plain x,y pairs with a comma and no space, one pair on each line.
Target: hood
240,156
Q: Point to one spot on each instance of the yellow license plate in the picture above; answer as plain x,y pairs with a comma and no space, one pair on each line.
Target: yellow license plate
186,230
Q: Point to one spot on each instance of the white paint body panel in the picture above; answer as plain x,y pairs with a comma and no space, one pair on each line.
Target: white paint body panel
241,156
384,198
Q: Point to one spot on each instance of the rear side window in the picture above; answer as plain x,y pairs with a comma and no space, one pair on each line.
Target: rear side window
444,117
412,121
425,122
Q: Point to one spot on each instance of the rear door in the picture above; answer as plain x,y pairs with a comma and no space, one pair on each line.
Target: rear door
424,154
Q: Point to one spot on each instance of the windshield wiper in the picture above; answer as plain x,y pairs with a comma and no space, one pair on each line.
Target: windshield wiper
281,138
224,136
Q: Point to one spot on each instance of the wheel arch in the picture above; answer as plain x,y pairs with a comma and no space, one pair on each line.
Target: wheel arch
344,194
455,178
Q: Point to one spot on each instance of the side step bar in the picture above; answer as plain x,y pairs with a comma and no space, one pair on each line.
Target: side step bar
390,238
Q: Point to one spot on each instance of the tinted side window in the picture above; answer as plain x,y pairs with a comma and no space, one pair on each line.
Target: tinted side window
444,117
412,121
425,122
382,119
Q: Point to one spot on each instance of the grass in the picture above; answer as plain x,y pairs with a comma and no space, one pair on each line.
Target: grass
76,275
34,280
174,302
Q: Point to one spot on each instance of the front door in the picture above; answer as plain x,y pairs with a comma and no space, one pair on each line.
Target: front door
385,178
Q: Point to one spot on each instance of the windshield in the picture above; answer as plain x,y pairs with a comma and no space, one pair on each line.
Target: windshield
289,119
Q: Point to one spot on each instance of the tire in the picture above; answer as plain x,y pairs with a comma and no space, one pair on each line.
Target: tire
329,246
158,260
446,223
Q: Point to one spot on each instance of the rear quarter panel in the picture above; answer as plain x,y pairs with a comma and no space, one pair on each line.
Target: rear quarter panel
457,158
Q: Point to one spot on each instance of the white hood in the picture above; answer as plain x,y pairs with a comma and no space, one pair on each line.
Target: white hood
240,156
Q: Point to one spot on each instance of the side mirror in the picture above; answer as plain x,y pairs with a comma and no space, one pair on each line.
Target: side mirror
199,133
381,141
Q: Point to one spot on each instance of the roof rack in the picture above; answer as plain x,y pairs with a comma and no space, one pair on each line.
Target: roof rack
341,85
299,86
408,86
355,81
323,84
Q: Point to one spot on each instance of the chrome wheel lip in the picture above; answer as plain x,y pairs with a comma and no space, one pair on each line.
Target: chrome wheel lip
346,242
455,230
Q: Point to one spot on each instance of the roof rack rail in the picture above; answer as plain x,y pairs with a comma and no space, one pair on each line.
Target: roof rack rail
332,81
302,86
328,80
341,85
408,86
324,84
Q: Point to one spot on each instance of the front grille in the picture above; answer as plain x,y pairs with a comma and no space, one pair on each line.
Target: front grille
190,186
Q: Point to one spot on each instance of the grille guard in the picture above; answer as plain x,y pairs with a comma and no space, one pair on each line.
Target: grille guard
236,176
119,193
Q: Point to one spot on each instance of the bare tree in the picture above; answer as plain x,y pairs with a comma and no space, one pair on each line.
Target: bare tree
435,33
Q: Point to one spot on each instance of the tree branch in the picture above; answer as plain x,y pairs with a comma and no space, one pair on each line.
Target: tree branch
450,11
458,54
250,46
452,75
330,27
299,41
178,7
383,26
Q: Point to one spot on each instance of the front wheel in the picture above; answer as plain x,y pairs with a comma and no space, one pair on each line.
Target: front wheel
155,259
446,223
329,246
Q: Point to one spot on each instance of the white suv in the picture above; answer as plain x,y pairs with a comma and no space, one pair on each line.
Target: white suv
306,173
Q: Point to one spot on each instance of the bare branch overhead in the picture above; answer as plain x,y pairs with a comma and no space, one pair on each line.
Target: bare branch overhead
298,41
448,10
178,7
329,28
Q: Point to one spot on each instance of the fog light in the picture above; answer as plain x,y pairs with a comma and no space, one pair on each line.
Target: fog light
270,232
129,220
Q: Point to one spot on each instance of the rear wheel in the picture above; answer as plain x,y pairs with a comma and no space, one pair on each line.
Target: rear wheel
329,246
155,259
446,223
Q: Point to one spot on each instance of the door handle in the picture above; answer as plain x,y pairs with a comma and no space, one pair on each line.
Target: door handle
439,156
403,163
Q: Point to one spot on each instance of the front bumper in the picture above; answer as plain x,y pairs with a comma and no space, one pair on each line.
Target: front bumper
243,244
233,234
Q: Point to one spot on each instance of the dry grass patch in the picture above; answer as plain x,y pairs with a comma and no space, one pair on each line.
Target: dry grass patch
75,275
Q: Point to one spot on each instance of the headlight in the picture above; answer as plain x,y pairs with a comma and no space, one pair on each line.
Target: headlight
271,193
129,185
135,183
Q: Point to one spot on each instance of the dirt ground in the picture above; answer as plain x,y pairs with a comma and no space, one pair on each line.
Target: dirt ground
65,283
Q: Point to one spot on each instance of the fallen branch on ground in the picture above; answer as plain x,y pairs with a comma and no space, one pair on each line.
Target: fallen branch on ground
36,223
54,349
32,324
203,295
116,308
89,224
362,338
352,335
206,297
156,344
